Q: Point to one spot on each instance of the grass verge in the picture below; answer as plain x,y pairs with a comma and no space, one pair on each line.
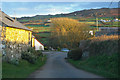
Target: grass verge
103,65
23,70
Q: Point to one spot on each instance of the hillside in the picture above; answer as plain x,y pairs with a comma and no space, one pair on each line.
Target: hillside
91,13
103,12
41,26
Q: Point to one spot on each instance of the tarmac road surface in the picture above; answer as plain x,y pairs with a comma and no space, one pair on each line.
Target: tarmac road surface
57,67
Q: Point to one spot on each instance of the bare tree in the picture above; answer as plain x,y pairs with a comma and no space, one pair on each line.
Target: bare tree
69,32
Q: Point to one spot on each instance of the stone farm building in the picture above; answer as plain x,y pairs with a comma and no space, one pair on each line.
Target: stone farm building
15,37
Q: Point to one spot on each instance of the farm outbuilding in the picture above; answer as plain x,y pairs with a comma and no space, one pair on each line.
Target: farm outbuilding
38,45
15,37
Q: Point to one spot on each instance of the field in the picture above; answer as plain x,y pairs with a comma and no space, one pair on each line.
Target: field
41,32
41,29
114,24
43,37
30,25
104,38
90,23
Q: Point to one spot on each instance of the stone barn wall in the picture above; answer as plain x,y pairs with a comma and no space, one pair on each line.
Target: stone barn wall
12,51
14,42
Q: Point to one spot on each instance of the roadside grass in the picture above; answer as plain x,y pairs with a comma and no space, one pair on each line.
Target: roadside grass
23,70
0,54
103,65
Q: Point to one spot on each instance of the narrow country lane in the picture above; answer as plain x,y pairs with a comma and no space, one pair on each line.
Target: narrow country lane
57,67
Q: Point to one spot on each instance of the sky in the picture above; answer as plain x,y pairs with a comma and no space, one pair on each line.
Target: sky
22,9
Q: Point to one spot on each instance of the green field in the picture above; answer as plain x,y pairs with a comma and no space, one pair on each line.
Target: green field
44,34
23,70
90,21
42,29
30,25
43,37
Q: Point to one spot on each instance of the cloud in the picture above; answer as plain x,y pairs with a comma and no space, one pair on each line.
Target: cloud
22,9
55,9
59,0
22,15
45,8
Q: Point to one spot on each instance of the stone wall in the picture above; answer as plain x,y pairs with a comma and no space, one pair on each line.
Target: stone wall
12,50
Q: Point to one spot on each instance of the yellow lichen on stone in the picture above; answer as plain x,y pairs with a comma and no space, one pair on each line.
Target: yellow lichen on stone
18,35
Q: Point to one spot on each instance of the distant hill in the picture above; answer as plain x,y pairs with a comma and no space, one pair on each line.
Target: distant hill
91,13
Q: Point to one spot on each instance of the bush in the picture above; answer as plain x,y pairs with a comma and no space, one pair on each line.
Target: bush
30,57
32,50
14,61
38,53
75,54
46,48
59,49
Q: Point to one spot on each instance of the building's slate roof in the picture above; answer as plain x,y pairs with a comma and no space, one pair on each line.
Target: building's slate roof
10,22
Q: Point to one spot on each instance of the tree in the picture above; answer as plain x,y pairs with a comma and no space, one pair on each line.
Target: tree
69,32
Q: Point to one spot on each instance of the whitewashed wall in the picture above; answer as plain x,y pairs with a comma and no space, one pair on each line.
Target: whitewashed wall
38,45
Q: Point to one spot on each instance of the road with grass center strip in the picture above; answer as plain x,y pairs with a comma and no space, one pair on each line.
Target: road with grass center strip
57,67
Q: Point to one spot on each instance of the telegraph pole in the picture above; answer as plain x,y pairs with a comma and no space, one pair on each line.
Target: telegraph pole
97,23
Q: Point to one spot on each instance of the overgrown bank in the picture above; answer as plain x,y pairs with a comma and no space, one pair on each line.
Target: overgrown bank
31,61
106,66
100,56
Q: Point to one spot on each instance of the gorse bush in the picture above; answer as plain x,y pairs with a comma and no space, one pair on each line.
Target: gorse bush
75,54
